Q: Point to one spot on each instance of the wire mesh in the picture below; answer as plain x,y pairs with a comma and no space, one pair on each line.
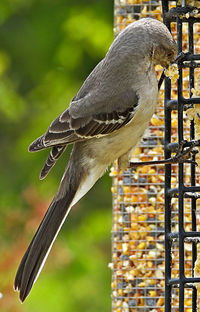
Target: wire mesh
138,251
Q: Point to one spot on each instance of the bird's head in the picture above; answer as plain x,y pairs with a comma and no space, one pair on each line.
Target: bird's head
164,54
164,49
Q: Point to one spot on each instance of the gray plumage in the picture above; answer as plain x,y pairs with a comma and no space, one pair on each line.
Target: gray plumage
105,120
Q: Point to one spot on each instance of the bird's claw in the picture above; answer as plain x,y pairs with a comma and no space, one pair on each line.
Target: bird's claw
184,154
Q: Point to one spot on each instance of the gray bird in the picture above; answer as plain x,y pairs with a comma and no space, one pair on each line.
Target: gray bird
105,120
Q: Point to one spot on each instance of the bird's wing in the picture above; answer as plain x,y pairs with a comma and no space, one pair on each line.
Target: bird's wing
85,119
54,155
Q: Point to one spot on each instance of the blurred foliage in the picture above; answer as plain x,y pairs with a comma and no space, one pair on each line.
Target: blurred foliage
47,49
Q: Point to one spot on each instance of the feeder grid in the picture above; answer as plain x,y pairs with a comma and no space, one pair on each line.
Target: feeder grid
153,208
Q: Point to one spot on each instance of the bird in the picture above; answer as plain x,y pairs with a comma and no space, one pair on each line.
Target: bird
104,122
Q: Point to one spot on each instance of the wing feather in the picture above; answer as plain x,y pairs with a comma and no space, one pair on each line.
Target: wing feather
54,154
68,129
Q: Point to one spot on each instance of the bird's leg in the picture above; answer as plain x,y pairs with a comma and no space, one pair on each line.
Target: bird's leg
182,156
123,161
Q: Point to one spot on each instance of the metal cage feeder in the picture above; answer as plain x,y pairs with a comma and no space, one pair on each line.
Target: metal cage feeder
156,210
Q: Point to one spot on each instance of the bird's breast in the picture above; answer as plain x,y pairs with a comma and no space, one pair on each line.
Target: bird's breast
112,146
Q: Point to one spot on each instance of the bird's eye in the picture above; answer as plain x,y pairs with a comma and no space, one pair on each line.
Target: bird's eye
170,54
151,52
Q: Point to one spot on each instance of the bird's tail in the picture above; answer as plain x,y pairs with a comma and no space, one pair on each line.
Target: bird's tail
75,183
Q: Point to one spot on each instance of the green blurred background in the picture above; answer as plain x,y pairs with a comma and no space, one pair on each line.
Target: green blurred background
47,49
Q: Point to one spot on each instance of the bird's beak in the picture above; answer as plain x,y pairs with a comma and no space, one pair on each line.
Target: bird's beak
165,64
180,56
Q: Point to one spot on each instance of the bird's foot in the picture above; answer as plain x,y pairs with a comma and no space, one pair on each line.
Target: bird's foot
184,154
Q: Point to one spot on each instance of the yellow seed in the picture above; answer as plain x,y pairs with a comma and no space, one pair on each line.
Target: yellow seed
126,189
120,292
114,189
161,217
149,264
152,282
143,169
160,301
153,179
174,123
137,151
152,293
114,284
188,302
133,273
173,180
142,245
156,121
133,226
142,218
134,199
151,171
118,19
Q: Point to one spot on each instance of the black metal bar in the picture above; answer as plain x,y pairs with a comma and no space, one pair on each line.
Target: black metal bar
181,175
191,57
191,234
172,104
175,281
193,169
167,153
173,235
191,189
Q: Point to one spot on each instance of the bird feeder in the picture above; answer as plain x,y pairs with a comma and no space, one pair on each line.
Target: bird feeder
156,209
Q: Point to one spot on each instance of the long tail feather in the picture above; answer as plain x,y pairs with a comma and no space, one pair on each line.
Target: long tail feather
40,246
79,177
